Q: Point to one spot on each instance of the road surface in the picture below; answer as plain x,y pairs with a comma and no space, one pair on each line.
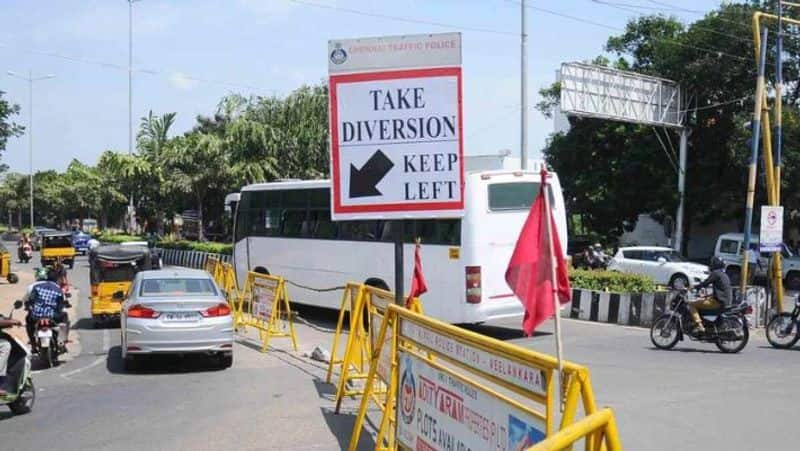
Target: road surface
692,398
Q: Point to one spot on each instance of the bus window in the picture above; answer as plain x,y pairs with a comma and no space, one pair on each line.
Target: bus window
323,227
426,231
450,231
293,222
319,198
295,198
513,196
272,222
358,230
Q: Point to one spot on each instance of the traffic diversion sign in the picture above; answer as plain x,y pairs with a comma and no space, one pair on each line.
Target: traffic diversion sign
397,142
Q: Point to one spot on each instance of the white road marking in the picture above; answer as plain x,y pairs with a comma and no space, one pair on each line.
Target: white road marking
97,361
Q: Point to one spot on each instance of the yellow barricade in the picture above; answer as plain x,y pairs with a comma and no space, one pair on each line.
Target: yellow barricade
600,426
461,390
357,336
211,267
264,305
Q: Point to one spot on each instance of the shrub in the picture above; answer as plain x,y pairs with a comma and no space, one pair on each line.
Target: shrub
186,245
611,281
214,248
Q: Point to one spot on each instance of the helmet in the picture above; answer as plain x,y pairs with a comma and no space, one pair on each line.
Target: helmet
597,246
41,274
716,263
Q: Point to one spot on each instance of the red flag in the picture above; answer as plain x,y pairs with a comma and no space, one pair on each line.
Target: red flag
529,273
418,285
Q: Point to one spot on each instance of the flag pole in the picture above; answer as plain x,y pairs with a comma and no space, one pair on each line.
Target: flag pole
554,282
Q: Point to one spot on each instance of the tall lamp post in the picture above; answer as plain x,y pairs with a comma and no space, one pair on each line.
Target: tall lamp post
132,216
30,79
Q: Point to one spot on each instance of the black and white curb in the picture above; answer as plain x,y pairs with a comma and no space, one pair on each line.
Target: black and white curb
637,309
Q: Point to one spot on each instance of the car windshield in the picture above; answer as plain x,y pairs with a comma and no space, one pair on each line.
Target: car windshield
177,286
670,256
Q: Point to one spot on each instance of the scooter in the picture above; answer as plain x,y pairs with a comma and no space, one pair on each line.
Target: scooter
19,383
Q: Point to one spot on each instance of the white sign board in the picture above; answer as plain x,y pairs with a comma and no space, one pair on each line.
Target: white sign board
525,376
394,52
438,411
397,135
264,292
771,234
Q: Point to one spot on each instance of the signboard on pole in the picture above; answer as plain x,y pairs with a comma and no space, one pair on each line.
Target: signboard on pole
771,234
396,127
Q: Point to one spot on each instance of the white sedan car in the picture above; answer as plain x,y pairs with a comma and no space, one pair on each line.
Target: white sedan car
664,265
175,311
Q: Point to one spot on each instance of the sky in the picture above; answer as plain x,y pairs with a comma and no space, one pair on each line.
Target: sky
187,54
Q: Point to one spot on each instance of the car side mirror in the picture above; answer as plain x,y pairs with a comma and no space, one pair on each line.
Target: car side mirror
662,260
17,304
118,295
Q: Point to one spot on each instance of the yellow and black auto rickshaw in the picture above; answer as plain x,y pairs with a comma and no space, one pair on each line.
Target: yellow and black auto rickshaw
57,246
5,265
111,271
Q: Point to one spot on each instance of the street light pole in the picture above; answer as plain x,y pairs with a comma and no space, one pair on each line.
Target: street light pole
523,137
132,217
30,81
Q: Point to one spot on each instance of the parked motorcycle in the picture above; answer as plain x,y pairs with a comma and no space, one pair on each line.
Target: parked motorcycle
726,327
19,382
783,331
51,339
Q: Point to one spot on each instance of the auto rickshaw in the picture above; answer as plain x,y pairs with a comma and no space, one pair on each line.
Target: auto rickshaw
5,266
58,246
111,271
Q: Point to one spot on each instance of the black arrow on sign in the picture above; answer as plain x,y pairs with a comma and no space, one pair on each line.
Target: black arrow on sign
364,181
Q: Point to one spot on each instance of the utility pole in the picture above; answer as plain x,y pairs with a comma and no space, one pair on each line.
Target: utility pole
131,214
523,126
30,81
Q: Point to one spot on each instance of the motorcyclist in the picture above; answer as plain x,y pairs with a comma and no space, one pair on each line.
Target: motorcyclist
5,351
24,241
721,294
598,256
44,300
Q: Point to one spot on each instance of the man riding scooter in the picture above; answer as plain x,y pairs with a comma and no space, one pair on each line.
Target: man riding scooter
721,295
45,300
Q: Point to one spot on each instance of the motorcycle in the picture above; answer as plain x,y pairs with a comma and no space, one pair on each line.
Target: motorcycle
21,393
51,339
783,330
25,253
726,327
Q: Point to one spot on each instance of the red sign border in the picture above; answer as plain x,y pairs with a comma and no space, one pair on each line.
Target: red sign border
334,82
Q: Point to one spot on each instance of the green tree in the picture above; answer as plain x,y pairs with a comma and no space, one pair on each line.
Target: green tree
8,129
197,164
612,171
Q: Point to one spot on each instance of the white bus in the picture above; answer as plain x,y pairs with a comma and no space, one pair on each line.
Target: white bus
285,228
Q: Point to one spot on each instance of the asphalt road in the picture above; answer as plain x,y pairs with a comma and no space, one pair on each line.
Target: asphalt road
691,398
264,402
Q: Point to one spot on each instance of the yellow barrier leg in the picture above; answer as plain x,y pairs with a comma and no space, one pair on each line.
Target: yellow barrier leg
289,316
362,409
337,335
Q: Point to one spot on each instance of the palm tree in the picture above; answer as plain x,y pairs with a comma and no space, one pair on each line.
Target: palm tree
153,134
